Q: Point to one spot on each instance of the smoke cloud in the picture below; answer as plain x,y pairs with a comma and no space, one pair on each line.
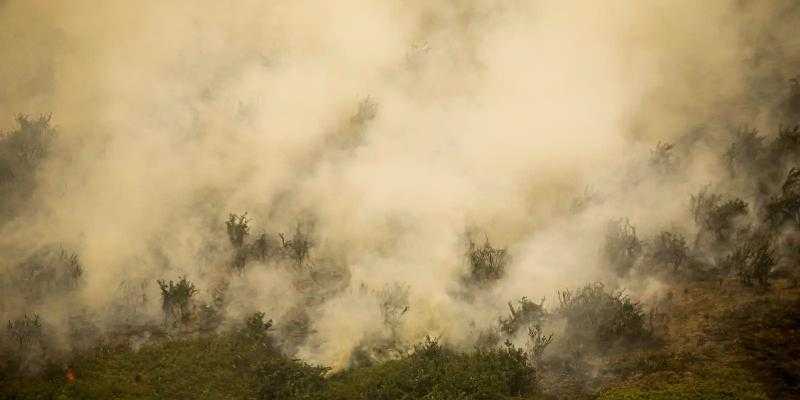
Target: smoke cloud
389,132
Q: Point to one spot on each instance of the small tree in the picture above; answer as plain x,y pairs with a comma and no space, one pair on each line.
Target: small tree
716,217
752,261
668,249
176,299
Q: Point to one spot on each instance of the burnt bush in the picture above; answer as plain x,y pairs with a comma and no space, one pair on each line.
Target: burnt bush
486,263
622,247
525,314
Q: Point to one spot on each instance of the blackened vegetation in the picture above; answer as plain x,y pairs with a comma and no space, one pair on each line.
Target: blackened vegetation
486,263
525,314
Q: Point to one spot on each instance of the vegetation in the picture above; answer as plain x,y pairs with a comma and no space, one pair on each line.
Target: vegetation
622,246
487,264
176,299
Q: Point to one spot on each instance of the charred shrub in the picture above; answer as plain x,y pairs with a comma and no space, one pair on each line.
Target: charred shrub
487,264
525,314
176,299
598,319
622,247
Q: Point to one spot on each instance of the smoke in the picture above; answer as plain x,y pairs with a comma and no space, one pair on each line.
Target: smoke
387,130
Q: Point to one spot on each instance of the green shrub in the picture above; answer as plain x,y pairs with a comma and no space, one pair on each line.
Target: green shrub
176,299
434,371
598,319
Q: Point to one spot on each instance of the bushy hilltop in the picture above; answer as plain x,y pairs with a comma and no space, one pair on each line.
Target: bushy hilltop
725,325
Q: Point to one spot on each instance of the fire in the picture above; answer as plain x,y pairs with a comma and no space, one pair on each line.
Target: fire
70,375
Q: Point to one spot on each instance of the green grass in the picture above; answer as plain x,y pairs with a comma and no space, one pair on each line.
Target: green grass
719,383
214,367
